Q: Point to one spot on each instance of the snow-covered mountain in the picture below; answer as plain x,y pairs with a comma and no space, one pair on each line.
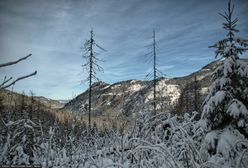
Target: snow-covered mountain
132,96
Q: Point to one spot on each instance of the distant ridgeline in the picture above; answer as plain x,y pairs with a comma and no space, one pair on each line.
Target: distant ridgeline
179,95
15,106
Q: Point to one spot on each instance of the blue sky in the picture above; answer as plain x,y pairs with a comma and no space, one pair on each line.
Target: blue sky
54,31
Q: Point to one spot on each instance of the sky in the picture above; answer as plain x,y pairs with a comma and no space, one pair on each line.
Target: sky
54,31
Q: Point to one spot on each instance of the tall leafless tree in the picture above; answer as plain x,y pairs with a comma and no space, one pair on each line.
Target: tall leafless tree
91,66
154,74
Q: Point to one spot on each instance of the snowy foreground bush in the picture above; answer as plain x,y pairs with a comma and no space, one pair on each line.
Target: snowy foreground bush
152,141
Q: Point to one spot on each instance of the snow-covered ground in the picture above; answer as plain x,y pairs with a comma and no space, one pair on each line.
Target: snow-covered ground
163,141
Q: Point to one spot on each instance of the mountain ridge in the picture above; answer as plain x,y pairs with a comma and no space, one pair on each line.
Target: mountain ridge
132,96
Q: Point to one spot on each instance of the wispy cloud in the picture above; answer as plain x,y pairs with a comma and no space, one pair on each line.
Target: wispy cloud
54,31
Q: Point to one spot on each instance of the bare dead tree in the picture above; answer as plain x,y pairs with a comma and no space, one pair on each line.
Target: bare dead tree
7,80
154,74
91,66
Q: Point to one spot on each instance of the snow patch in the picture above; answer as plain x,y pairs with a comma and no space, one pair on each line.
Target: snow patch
165,90
204,90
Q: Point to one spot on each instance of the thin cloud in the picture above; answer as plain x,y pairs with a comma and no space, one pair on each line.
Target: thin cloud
54,32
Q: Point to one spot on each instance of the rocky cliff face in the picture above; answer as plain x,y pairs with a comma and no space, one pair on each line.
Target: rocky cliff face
132,96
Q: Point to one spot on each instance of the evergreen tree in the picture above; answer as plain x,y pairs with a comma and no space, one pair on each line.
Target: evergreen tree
197,95
3,114
20,143
227,100
31,106
225,108
187,97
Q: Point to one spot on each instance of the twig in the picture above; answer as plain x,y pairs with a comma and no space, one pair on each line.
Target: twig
5,81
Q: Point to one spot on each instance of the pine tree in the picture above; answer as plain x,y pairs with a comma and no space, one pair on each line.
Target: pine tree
183,104
187,97
227,100
196,90
225,108
3,114
19,145
31,106
23,108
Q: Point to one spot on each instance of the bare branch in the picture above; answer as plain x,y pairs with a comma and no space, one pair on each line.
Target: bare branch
18,79
101,47
223,16
14,62
5,81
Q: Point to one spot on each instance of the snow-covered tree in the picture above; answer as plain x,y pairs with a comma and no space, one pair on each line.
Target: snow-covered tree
225,108
20,143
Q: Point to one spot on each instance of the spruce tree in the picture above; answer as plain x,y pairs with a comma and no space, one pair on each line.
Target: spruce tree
227,100
225,108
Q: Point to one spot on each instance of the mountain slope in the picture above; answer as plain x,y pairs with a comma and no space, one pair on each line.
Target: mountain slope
14,106
132,96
